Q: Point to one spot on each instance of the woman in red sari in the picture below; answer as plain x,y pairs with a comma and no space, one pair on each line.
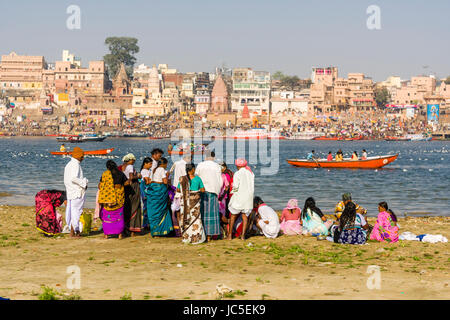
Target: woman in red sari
48,221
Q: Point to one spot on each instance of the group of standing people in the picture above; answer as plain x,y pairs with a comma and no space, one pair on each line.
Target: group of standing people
197,204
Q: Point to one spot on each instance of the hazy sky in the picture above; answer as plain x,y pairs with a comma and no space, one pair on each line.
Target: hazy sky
198,35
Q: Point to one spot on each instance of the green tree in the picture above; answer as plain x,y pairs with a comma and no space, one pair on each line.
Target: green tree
382,97
447,81
290,81
122,50
278,75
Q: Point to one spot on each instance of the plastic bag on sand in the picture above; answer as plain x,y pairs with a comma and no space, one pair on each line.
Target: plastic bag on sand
430,238
408,236
433,238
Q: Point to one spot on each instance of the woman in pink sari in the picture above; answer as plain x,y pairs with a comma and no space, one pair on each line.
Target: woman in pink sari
385,229
224,195
290,219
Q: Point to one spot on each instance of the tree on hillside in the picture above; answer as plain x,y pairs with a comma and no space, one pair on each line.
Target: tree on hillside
382,97
447,81
122,50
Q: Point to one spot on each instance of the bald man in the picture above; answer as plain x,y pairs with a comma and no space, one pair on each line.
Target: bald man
76,185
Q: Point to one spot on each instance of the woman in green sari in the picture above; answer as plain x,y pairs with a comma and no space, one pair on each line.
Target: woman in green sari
158,210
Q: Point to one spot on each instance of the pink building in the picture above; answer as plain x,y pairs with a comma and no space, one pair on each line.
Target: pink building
66,77
219,97
21,72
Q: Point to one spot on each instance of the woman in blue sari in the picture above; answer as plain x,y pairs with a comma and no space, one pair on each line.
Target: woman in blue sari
145,181
158,211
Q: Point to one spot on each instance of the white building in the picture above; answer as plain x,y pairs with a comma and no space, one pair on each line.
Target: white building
251,88
288,102
67,56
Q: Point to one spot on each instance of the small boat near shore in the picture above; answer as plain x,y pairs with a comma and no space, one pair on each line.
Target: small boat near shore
369,163
80,138
388,138
177,152
100,152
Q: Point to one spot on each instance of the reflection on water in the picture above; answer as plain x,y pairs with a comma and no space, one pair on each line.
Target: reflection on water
416,183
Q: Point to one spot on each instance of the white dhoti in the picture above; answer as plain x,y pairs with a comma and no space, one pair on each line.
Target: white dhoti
270,231
74,209
239,211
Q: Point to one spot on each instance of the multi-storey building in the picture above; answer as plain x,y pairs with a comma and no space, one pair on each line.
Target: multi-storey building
21,72
67,76
284,101
415,91
252,89
362,94
202,98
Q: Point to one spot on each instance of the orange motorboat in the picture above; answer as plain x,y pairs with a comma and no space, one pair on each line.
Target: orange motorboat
325,138
100,152
369,163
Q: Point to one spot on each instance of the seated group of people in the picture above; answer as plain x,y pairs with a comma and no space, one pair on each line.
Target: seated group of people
350,226
339,155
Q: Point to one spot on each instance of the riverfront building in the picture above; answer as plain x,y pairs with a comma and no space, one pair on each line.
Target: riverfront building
251,88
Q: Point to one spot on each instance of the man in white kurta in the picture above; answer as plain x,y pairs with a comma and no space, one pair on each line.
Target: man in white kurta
178,169
76,185
241,201
211,174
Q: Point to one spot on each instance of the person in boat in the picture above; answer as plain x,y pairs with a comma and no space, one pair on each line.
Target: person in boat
145,180
385,229
339,155
311,156
355,156
364,155
76,185
191,187
62,148
347,198
158,211
169,147
48,220
241,202
132,210
224,195
330,156
314,221
290,222
112,200
211,174
352,227
267,220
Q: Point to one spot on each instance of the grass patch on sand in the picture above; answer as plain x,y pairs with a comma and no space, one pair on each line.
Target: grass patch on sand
49,293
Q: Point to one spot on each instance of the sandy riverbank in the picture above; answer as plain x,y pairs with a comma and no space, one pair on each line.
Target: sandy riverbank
163,268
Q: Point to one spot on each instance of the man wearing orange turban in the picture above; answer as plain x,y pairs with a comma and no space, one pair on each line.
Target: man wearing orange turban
76,185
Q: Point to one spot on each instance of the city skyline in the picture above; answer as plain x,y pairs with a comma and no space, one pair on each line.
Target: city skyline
287,36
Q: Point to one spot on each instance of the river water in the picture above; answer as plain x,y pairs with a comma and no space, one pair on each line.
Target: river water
416,183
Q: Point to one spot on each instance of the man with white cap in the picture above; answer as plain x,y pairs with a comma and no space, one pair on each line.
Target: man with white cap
76,185
241,202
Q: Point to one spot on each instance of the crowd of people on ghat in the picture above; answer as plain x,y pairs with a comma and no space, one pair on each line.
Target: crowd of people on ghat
198,203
